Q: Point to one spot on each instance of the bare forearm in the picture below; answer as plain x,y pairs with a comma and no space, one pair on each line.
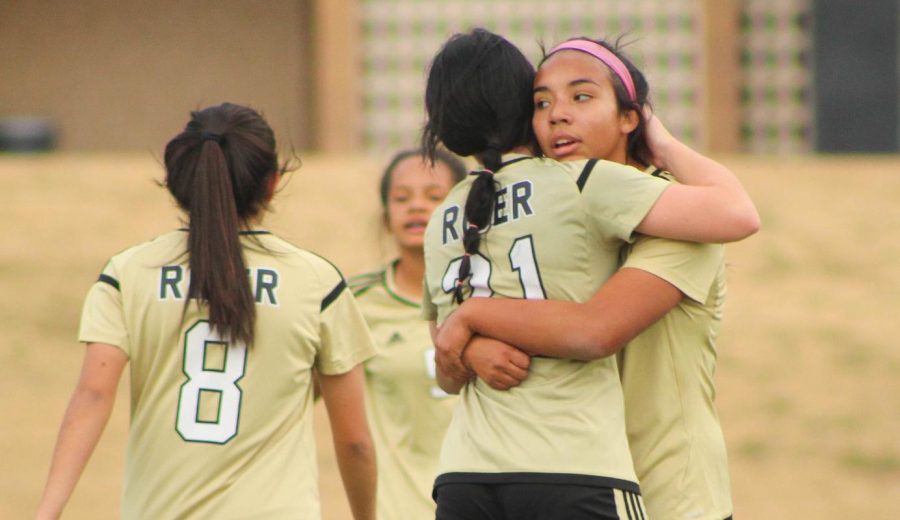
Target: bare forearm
86,417
344,396
547,327
628,303
712,206
82,426
728,201
693,168
359,475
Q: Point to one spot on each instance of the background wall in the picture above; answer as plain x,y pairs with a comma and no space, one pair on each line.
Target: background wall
120,75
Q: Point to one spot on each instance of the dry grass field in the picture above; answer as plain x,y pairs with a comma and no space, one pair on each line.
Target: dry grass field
809,373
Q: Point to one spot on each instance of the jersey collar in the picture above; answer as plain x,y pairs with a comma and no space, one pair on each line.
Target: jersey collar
390,285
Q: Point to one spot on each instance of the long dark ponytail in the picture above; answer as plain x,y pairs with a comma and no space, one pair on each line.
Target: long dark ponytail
219,171
478,98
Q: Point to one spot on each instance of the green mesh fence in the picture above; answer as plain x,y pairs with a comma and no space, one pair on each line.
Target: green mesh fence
776,45
662,37
401,36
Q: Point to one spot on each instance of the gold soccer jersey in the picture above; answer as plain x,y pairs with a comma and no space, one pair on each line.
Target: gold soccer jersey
556,232
667,378
408,413
220,430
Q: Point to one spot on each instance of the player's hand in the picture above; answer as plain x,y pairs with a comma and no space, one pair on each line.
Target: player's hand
659,139
498,364
451,339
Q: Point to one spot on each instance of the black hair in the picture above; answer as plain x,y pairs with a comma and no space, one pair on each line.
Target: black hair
636,147
453,163
479,102
219,170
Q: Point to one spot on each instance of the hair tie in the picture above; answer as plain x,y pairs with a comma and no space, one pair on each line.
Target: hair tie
459,283
211,136
479,172
603,54
473,226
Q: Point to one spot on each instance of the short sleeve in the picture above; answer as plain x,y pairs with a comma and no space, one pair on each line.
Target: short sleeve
345,337
429,309
103,315
618,197
690,266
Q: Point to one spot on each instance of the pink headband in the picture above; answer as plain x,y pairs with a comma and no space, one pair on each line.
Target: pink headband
603,54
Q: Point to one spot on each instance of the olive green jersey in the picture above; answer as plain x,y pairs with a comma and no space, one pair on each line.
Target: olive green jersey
667,377
220,429
408,413
556,232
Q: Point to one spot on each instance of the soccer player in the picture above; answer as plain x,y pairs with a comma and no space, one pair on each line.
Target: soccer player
524,227
407,411
667,371
222,323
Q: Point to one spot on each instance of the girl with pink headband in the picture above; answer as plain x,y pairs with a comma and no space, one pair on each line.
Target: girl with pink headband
603,54
585,109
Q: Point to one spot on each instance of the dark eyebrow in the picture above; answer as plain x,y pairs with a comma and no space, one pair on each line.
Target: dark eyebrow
573,83
579,81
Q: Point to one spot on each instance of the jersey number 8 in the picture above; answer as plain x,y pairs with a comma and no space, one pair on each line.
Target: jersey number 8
209,403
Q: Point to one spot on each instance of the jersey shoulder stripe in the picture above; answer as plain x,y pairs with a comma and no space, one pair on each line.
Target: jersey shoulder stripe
105,278
662,174
363,282
585,173
333,295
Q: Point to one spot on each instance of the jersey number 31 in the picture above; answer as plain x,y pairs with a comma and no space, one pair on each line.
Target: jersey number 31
522,259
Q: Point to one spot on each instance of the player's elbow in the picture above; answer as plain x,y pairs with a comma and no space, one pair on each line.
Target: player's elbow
743,221
748,222
358,447
91,393
597,343
752,222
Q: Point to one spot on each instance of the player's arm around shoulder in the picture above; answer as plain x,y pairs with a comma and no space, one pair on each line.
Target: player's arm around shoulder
710,205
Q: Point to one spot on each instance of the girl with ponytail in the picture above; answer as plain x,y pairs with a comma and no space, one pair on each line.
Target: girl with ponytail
222,323
555,446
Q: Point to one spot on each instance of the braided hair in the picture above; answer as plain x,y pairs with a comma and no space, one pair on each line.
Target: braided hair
478,99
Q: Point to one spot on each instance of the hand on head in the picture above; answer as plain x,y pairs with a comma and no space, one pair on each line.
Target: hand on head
659,139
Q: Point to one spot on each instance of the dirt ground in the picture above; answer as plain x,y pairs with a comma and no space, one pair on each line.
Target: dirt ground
808,379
